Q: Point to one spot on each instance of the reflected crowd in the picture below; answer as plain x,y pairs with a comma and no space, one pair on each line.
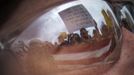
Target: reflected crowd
38,53
71,40
84,37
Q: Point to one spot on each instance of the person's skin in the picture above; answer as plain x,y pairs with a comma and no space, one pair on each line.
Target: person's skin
125,66
27,11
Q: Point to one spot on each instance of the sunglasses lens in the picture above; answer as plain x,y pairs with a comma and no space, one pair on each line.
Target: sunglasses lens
72,34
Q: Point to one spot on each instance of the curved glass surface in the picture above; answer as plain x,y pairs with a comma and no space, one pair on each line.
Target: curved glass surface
128,16
71,36
125,14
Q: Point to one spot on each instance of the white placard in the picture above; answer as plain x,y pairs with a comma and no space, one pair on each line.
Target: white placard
76,17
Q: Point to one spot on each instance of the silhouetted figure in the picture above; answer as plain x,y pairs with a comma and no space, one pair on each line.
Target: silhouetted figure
84,35
105,31
76,38
96,37
62,37
70,38
65,43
